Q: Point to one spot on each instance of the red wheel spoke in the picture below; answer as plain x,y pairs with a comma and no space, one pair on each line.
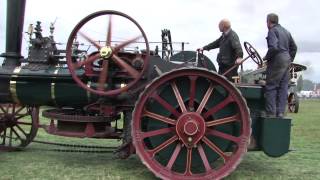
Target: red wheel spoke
3,110
20,109
205,99
204,158
189,162
125,66
163,145
157,132
13,109
178,96
126,43
10,137
215,148
192,91
7,108
159,117
223,135
24,123
21,116
218,106
103,75
4,136
25,134
174,156
109,32
217,122
166,105
89,60
15,132
90,40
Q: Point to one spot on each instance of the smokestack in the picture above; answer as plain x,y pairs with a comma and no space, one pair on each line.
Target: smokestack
15,19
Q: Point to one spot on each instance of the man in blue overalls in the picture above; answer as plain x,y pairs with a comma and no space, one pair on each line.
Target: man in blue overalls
281,52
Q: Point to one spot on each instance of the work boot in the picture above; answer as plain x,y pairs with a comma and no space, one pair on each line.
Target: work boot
280,115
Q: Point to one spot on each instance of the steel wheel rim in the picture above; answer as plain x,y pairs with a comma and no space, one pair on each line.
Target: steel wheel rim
165,171
19,125
70,63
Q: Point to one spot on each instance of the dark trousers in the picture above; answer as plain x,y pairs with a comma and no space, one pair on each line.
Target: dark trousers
223,68
276,89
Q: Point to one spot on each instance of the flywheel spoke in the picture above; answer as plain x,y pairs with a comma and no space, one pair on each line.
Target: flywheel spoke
103,75
89,60
125,66
109,31
126,43
90,40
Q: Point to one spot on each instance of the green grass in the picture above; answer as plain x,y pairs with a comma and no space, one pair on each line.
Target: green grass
35,163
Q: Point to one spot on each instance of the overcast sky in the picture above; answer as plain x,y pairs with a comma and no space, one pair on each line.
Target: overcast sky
193,21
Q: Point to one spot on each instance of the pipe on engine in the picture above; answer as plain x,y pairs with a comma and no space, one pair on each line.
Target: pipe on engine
15,20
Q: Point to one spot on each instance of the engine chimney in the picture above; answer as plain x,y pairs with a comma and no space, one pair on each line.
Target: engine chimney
15,19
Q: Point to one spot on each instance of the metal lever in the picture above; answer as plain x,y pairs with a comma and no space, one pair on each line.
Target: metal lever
234,66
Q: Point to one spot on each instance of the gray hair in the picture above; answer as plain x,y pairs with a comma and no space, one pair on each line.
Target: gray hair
273,18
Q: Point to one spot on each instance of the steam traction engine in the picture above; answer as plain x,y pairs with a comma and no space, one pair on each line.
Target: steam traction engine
183,120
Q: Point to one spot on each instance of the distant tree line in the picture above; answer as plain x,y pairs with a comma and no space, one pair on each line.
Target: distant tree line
306,84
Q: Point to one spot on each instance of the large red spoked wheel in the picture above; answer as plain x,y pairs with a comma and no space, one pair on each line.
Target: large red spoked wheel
106,53
18,126
191,124
253,53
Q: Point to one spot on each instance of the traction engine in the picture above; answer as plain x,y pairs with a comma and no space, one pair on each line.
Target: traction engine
183,120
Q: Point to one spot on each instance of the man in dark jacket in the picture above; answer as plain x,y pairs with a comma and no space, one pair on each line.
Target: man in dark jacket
281,52
230,50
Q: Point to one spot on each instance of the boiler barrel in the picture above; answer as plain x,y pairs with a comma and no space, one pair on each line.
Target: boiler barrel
52,87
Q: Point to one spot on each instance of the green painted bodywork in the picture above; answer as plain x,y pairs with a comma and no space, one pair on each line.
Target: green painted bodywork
275,136
51,87
272,135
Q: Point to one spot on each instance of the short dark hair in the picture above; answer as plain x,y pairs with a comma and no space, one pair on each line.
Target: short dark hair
273,18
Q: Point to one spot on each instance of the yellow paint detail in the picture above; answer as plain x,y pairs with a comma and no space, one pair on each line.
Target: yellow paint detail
13,85
13,91
53,96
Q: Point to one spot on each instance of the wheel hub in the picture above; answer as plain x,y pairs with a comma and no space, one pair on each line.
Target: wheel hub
190,128
8,121
105,52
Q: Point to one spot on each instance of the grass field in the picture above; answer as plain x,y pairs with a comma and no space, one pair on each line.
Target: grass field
34,163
